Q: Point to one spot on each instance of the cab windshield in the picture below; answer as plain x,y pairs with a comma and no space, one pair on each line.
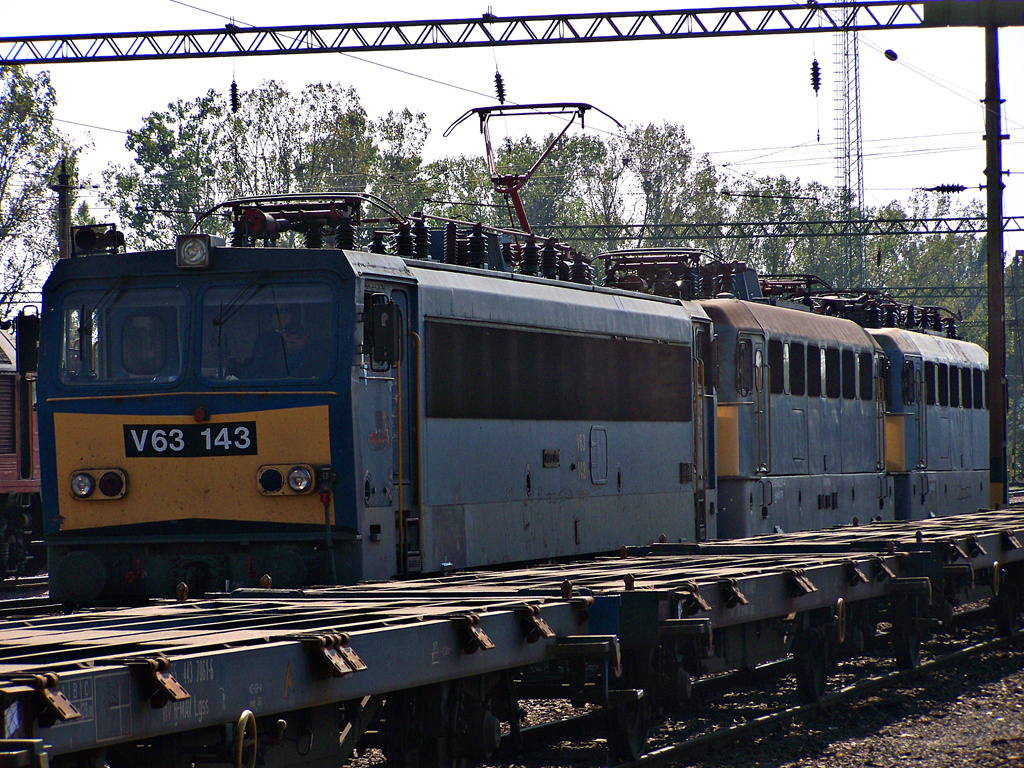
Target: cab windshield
267,331
123,335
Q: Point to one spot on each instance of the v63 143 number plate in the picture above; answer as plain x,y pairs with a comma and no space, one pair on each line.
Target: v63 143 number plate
233,438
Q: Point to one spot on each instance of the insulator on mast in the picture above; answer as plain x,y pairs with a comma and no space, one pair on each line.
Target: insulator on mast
499,86
235,103
815,76
947,189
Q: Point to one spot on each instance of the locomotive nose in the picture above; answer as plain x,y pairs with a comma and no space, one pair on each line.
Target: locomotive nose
78,576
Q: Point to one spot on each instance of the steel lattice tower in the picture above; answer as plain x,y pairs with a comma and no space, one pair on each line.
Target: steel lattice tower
850,142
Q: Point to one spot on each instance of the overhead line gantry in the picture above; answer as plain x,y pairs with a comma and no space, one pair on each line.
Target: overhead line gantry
484,31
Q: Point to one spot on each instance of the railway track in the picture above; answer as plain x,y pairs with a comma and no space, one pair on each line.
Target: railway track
735,697
709,639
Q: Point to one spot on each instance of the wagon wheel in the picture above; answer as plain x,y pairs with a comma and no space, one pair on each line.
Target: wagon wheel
811,674
626,728
906,643
1007,607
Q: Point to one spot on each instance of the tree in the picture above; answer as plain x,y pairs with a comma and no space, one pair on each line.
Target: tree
278,143
397,172
174,176
672,185
460,187
197,152
30,152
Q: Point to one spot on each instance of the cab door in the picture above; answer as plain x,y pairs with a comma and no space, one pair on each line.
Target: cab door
388,411
762,403
704,410
407,439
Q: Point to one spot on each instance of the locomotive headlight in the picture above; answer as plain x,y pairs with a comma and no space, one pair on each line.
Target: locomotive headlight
82,485
285,479
193,251
300,479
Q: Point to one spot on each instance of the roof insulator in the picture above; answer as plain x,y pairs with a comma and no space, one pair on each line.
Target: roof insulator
499,86
947,189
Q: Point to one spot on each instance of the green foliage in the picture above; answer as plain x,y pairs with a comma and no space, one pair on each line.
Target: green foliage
460,188
173,178
30,153
396,174
198,152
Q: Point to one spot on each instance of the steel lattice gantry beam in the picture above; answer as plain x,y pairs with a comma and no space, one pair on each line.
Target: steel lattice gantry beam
931,294
754,229
487,30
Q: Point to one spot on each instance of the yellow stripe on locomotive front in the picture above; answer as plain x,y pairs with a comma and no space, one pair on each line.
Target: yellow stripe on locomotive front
160,488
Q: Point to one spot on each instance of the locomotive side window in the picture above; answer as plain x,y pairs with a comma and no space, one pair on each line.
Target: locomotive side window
121,335
985,390
954,386
777,369
744,366
268,331
867,378
929,380
979,392
849,366
797,369
558,376
785,367
832,380
907,383
965,388
943,384
814,371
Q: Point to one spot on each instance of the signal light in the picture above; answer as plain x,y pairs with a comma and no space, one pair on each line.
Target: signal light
111,484
96,238
815,75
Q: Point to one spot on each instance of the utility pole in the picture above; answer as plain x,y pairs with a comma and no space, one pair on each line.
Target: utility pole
996,268
63,191
990,14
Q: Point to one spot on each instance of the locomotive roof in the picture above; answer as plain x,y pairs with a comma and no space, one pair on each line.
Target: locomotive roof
526,301
937,349
785,323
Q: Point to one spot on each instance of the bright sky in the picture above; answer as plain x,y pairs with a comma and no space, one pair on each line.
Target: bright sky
746,102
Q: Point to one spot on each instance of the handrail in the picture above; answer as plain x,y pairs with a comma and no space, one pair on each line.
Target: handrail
768,398
419,424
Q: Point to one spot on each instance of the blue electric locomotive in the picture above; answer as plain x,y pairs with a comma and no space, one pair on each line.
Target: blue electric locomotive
220,416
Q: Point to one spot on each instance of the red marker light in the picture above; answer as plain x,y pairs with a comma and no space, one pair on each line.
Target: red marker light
111,484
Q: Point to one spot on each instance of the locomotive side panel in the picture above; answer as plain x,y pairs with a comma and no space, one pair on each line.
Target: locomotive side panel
937,416
801,392
557,421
